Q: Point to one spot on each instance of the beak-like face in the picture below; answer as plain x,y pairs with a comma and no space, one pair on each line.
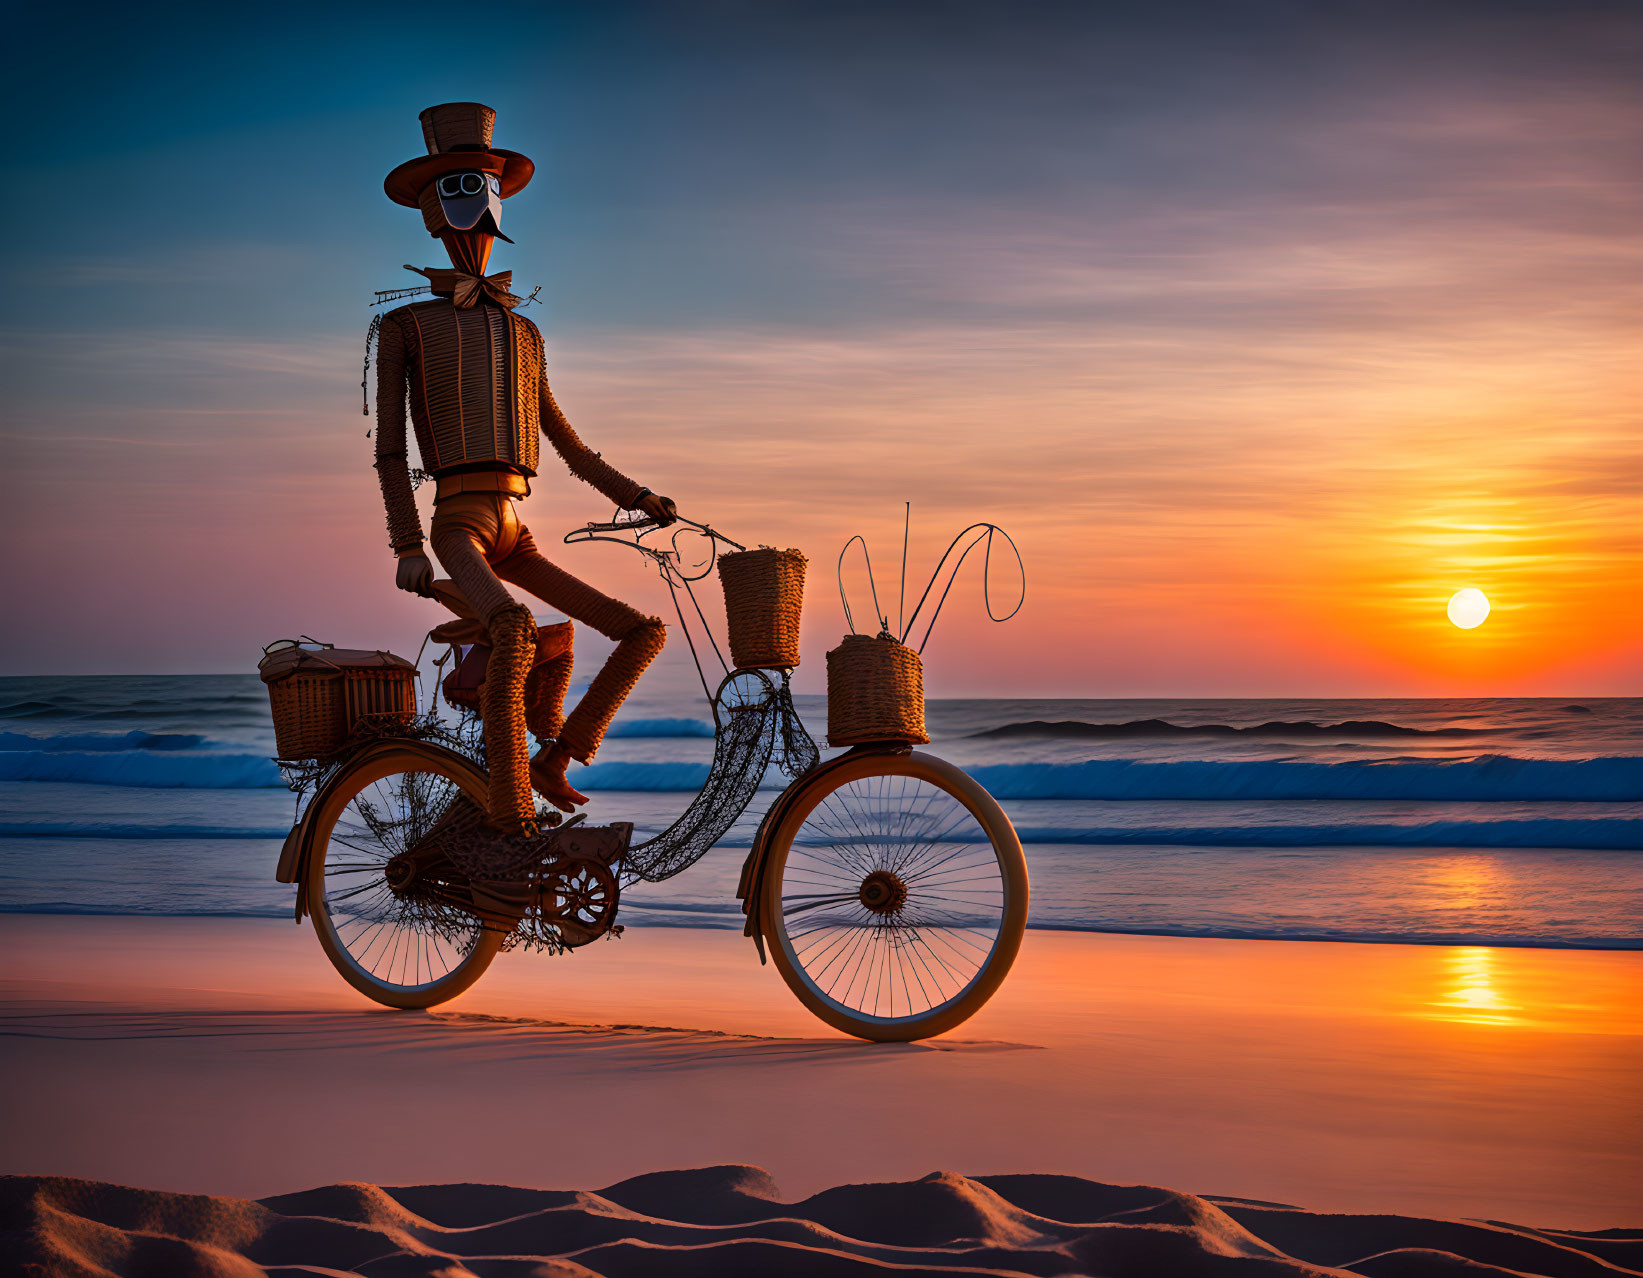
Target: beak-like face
467,196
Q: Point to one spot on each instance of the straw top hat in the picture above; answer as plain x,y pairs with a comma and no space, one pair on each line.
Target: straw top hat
458,135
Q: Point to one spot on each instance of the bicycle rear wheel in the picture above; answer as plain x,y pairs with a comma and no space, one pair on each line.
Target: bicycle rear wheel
392,943
895,896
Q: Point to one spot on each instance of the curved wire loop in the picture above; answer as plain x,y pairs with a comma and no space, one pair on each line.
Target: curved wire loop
984,533
867,559
988,531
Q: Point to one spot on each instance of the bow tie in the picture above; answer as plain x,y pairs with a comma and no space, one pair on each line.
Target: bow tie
465,290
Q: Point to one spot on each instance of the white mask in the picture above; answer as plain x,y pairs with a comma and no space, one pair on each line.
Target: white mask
467,195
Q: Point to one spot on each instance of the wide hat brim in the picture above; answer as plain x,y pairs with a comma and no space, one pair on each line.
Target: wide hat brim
406,182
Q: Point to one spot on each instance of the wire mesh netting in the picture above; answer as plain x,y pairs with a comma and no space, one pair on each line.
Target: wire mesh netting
756,722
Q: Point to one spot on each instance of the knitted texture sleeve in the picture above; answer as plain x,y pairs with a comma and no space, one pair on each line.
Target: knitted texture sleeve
584,463
392,463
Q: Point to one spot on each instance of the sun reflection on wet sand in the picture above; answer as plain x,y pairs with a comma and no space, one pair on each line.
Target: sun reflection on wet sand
1470,995
1527,989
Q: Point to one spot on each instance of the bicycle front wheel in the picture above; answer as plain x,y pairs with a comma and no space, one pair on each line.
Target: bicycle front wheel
390,939
895,896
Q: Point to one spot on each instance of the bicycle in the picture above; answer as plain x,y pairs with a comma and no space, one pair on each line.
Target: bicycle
886,884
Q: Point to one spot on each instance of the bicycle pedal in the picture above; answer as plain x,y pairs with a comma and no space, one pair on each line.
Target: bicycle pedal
607,843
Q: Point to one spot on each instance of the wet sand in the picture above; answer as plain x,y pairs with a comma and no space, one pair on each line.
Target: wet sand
223,1056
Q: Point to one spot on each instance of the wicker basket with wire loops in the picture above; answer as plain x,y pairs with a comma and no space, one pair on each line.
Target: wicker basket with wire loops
875,692
764,595
319,695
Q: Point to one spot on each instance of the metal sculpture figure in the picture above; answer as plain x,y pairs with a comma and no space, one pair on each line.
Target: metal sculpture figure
887,886
473,373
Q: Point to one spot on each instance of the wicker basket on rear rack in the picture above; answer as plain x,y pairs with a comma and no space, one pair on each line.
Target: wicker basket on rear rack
875,692
764,595
319,695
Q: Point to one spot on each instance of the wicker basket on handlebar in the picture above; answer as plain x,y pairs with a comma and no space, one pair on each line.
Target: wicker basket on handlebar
319,695
764,594
875,692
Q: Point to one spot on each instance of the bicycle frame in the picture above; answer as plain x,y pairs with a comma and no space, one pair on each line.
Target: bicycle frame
739,763
701,815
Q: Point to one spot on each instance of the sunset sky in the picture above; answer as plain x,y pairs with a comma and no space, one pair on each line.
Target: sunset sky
1264,327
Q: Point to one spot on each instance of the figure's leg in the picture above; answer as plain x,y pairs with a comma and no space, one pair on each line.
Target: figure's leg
465,531
586,725
549,681
639,638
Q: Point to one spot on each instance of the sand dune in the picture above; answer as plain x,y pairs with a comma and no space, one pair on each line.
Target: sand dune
733,1220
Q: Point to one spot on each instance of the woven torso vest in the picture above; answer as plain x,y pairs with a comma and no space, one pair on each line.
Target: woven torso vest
474,381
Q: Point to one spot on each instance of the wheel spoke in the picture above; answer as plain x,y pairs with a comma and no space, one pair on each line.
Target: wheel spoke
396,940
892,897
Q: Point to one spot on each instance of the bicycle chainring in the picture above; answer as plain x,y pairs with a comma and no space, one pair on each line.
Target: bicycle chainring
577,897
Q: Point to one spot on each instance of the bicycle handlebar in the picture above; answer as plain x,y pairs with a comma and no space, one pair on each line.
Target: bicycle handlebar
620,525
594,531
668,557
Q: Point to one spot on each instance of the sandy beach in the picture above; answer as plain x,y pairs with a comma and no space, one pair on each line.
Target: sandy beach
224,1057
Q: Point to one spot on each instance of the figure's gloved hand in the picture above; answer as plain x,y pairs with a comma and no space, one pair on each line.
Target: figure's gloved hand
661,509
415,574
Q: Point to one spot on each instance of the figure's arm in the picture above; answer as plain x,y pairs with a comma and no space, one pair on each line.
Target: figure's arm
393,463
584,463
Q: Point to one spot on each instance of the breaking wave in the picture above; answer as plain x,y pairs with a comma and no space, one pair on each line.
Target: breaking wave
1484,778
644,778
144,769
660,728
1481,779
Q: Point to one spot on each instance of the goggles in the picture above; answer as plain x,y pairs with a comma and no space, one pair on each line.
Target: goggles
454,186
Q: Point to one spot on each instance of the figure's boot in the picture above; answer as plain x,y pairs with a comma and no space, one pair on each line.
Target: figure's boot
513,645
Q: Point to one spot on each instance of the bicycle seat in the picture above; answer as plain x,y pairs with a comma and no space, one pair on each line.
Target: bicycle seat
448,593
465,628
462,630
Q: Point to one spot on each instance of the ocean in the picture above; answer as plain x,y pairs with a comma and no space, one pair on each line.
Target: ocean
1477,822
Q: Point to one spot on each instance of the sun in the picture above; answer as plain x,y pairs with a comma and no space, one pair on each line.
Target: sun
1468,608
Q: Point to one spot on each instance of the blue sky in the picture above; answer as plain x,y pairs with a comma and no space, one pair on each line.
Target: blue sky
713,162
1163,286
